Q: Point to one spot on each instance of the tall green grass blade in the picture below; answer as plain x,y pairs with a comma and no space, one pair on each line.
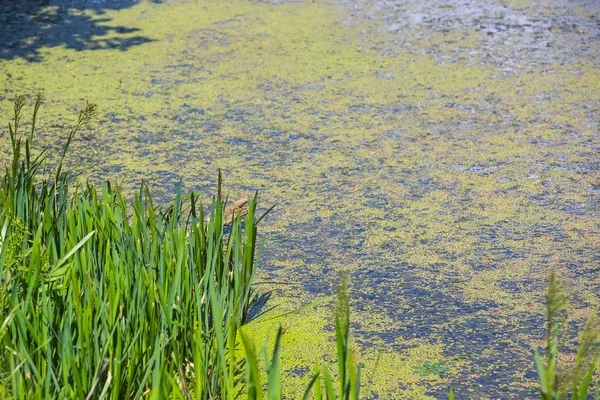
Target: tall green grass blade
327,381
59,270
253,384
582,392
315,379
273,369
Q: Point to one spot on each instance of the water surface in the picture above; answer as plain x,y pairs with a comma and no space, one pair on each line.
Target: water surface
443,153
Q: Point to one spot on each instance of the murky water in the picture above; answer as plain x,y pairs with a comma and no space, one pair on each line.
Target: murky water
443,153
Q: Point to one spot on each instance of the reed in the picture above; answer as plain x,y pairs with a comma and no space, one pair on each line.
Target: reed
103,299
558,382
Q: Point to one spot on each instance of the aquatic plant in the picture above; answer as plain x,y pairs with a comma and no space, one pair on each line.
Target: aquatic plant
102,299
557,382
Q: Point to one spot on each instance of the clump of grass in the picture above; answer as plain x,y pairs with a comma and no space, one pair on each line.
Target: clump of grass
557,382
348,368
100,299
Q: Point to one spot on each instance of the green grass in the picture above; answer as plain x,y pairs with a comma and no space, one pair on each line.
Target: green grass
557,382
105,300
101,298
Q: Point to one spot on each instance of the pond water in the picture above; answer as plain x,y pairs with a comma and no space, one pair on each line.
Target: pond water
445,154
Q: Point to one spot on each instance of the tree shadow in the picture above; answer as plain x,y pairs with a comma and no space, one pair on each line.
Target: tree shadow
27,26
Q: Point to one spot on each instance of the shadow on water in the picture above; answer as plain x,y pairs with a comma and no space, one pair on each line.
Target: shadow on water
259,305
28,26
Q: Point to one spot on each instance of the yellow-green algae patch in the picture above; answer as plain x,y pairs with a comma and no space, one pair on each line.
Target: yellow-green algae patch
446,186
